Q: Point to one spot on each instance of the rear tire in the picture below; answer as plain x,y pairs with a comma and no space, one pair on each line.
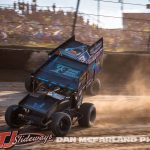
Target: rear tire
94,88
87,116
61,124
11,117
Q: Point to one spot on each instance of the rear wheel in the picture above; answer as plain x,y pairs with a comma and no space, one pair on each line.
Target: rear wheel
87,115
61,124
11,117
94,88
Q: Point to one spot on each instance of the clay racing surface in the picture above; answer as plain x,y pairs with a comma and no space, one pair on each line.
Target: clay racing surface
123,104
121,114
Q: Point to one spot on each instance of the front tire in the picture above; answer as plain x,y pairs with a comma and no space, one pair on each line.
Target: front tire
61,124
87,115
29,84
11,117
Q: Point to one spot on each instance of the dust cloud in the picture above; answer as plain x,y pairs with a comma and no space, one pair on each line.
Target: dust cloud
139,80
35,60
125,97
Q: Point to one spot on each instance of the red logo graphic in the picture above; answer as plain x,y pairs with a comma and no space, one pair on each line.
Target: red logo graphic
12,138
7,139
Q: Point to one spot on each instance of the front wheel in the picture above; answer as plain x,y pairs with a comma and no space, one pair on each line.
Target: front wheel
61,124
30,85
87,115
11,117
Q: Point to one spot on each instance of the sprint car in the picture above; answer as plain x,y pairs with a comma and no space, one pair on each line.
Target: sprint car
55,99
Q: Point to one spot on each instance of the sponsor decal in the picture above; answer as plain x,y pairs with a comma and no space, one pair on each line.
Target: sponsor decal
65,70
95,56
12,138
78,53
96,47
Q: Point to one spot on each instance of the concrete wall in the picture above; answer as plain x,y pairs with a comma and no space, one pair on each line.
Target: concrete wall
17,57
117,68
13,59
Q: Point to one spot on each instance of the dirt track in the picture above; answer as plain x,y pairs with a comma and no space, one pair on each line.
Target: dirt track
116,115
122,106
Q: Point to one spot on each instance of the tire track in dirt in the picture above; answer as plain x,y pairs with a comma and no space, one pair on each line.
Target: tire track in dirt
116,115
